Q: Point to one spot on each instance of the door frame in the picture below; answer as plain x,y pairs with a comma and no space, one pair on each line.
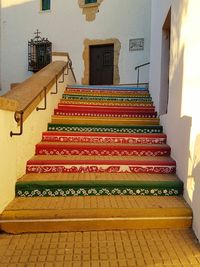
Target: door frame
86,58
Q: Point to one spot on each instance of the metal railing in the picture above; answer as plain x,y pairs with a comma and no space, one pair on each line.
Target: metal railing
58,68
138,74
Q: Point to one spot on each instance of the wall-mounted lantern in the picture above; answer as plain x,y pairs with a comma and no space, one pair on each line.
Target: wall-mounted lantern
39,52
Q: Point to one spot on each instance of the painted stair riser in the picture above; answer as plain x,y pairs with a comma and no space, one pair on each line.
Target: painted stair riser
101,113
85,150
104,121
109,110
99,108
107,93
107,103
105,128
82,188
67,167
106,98
104,139
109,87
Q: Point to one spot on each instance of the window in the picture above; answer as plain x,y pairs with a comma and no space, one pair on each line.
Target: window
90,1
46,5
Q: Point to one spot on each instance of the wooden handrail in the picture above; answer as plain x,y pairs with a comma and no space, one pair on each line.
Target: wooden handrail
28,91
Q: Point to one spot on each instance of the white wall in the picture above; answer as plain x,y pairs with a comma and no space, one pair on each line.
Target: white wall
18,149
181,123
67,28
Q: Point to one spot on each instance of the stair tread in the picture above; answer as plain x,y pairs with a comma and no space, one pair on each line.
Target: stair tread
135,177
77,158
92,120
100,145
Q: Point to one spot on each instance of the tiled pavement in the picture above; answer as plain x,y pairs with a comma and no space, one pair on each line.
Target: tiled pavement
101,249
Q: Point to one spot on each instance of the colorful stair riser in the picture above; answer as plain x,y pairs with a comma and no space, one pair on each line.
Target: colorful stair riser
102,150
99,167
105,128
107,93
104,138
84,188
104,113
107,98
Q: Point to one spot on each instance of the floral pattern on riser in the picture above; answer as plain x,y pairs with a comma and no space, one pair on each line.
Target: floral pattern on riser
98,169
95,192
106,129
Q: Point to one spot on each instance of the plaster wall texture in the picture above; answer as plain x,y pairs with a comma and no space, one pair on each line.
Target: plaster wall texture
18,149
181,123
66,27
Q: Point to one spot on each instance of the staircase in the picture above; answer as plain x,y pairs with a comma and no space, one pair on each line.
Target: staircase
103,164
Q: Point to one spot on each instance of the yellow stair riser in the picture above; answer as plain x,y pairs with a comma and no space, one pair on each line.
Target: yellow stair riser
94,225
106,103
108,94
104,121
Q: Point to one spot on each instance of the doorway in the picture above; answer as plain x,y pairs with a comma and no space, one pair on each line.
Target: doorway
165,64
101,64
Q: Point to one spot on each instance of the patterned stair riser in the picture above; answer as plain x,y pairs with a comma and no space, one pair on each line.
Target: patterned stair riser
114,109
107,93
105,128
107,103
49,149
95,167
105,113
109,87
106,138
83,188
107,98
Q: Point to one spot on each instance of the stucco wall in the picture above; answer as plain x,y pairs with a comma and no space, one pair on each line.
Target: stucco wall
67,28
181,123
17,150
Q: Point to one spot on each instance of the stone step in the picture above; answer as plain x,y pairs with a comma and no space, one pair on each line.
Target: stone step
104,164
46,185
108,138
89,149
80,213
84,120
150,129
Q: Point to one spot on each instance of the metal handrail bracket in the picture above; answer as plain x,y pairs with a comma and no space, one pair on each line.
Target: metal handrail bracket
19,119
45,100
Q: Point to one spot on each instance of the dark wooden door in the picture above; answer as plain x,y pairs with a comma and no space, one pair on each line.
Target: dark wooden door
101,64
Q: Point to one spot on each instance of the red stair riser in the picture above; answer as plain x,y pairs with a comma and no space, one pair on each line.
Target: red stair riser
88,150
94,107
100,168
105,138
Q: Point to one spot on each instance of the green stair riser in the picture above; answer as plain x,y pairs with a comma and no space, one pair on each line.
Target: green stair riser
107,98
105,128
85,188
